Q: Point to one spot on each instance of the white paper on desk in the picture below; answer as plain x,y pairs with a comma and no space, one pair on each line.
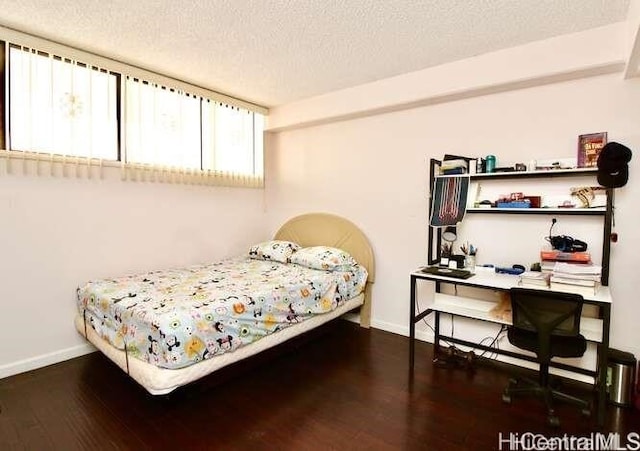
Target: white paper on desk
576,268
571,276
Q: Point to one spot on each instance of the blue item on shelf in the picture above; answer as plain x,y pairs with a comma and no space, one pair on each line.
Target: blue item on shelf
514,204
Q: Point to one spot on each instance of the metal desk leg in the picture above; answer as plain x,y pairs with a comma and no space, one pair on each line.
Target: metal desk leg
603,357
436,336
412,323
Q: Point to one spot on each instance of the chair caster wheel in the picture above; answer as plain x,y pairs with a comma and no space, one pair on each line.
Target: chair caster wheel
554,421
513,381
506,398
586,412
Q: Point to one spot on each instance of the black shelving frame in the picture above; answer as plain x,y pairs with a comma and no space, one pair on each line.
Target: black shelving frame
435,233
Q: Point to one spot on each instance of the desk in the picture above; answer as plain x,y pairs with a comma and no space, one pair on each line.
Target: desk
594,329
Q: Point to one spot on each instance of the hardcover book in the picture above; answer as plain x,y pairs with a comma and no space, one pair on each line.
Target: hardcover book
555,255
585,291
589,147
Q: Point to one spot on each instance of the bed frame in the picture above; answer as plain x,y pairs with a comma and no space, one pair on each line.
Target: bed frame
313,229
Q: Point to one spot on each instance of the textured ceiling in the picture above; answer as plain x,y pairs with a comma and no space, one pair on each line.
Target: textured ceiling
272,52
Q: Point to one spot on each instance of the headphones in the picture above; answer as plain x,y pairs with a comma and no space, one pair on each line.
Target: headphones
567,244
564,243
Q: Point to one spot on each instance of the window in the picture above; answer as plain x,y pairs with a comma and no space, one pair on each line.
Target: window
106,110
231,136
162,126
61,106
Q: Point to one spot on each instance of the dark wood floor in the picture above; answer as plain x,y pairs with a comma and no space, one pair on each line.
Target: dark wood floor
342,388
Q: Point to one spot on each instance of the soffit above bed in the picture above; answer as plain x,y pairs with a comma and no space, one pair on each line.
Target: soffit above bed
276,52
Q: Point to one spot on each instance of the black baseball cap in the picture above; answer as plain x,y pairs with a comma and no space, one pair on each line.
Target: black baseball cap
613,170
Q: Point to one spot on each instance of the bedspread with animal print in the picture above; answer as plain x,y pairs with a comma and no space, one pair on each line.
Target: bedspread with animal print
175,318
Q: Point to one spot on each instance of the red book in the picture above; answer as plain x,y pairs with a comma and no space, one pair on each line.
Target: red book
558,256
589,147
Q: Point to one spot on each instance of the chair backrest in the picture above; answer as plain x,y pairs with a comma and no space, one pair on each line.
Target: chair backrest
546,312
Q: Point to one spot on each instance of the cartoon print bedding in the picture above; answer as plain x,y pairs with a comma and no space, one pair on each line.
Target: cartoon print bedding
178,317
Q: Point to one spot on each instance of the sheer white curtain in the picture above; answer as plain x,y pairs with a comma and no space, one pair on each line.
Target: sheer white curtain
61,107
169,132
228,138
162,126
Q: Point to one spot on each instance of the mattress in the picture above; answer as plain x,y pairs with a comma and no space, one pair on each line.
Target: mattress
175,318
159,381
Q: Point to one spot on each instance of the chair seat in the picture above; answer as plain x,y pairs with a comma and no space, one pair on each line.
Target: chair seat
574,346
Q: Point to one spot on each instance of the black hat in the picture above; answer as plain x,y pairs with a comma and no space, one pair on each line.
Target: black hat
613,171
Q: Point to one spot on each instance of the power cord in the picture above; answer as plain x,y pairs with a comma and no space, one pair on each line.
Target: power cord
494,343
553,222
494,340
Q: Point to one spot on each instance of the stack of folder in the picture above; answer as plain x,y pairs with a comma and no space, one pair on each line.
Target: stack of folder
576,278
534,279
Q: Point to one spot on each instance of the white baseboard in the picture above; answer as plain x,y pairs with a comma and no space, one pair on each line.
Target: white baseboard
402,330
390,327
45,360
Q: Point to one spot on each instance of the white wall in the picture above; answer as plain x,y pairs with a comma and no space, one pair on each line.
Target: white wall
374,170
58,233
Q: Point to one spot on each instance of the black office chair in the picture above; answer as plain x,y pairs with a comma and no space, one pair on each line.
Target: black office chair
548,324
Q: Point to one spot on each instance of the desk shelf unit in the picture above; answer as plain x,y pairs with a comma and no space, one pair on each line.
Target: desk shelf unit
435,234
594,329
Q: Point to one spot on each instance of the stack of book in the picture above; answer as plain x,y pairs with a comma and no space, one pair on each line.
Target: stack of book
454,167
576,278
547,266
535,279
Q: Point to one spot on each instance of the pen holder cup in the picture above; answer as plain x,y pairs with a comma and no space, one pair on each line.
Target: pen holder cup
460,260
470,263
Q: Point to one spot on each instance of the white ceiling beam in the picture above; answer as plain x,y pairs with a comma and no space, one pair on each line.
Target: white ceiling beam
574,56
632,68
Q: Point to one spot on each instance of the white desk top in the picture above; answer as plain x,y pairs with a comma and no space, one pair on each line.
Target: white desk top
488,278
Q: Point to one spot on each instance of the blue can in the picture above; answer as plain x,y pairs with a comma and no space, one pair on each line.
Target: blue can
490,163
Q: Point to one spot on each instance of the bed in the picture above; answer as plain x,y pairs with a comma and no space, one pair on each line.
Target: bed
168,328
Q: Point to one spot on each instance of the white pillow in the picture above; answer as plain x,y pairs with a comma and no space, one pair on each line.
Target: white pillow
273,250
324,257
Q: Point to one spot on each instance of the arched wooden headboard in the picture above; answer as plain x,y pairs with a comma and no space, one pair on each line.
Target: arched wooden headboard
324,229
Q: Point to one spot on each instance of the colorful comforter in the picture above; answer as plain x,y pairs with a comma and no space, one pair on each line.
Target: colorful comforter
178,317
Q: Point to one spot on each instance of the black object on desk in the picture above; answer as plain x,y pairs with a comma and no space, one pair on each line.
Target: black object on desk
447,272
